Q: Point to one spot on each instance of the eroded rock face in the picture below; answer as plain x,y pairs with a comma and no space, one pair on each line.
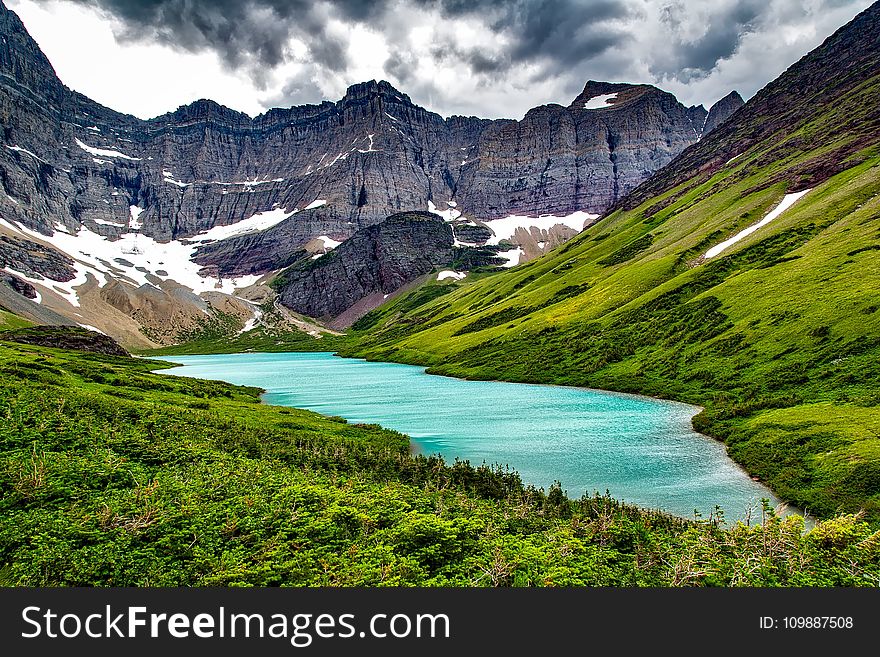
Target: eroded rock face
68,161
560,159
34,260
66,337
377,259
328,172
721,111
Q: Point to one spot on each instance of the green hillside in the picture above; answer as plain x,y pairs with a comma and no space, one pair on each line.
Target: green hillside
112,475
778,337
10,321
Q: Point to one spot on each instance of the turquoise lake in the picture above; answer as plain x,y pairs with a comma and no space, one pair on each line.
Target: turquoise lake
642,450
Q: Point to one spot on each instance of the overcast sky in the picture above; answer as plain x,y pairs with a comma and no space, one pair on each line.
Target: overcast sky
491,58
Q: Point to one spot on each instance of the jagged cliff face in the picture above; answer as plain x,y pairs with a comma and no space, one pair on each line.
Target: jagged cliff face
369,155
238,197
376,261
722,110
582,157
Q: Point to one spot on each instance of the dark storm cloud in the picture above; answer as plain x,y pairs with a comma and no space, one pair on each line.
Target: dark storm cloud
256,33
724,32
528,40
251,34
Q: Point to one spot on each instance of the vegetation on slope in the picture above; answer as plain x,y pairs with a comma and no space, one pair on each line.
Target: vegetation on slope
112,475
778,337
9,321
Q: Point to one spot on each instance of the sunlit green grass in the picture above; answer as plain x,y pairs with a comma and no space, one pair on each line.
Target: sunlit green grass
113,475
786,318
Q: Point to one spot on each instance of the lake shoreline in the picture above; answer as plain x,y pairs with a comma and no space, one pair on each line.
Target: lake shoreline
428,445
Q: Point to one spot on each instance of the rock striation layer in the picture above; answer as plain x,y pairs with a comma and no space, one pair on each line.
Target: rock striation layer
249,194
377,260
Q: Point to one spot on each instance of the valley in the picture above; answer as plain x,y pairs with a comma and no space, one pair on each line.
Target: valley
710,276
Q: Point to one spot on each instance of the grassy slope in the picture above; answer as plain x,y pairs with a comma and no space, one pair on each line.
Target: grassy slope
778,338
112,475
8,321
258,339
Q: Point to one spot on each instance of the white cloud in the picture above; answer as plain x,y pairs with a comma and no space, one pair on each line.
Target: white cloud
458,62
140,79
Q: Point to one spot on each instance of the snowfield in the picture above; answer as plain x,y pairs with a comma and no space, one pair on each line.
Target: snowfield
329,243
511,256
784,204
253,224
447,273
134,257
135,212
505,228
449,214
600,102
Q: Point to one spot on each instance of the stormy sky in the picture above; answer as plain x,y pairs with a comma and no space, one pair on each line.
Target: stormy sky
490,58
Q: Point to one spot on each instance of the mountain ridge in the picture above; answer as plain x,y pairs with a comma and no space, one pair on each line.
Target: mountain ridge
137,190
741,278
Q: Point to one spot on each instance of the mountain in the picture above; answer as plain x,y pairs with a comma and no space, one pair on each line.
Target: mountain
161,221
742,277
721,111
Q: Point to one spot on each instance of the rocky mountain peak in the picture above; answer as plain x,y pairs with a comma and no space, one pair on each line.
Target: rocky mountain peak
372,89
22,61
205,110
594,89
721,111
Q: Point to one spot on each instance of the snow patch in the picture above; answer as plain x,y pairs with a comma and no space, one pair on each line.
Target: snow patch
259,221
447,273
252,323
316,204
784,204
601,101
511,256
370,148
135,212
254,182
450,214
92,328
169,178
94,128
505,228
103,152
328,242
19,149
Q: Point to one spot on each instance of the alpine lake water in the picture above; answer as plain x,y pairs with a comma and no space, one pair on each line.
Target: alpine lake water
642,450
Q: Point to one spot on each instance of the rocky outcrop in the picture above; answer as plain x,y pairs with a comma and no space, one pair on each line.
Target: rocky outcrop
35,260
721,111
378,259
66,337
824,78
327,171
